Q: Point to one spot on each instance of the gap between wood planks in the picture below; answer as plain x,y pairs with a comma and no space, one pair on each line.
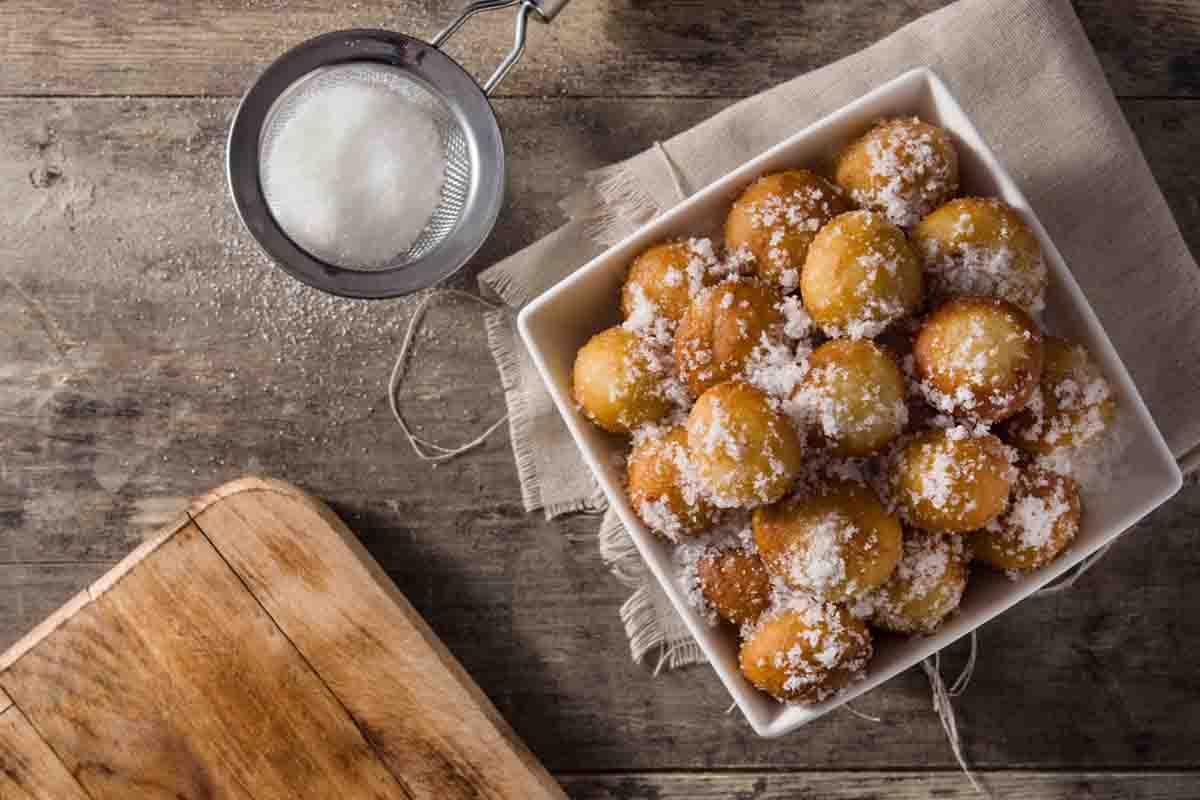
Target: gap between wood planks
876,771
1182,98
363,732
845,785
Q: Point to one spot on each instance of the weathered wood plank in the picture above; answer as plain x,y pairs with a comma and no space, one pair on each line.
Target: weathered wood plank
892,785
596,48
179,664
29,770
1164,131
425,717
68,609
32,594
130,262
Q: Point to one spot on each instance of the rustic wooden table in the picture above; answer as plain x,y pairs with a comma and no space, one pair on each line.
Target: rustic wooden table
148,353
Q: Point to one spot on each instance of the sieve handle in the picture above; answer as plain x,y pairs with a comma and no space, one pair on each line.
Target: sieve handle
545,10
548,9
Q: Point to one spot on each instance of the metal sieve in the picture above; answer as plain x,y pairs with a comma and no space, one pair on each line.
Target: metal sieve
408,74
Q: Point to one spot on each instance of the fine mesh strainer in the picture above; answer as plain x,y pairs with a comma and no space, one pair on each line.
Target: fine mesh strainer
367,163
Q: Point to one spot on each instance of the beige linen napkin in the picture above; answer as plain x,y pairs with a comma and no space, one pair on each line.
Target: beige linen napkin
1027,76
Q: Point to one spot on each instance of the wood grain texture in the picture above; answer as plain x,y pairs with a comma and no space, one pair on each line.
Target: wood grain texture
202,696
146,353
52,621
422,713
29,769
33,594
186,360
890,785
596,48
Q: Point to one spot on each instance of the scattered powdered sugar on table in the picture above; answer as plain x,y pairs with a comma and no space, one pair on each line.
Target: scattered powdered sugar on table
176,299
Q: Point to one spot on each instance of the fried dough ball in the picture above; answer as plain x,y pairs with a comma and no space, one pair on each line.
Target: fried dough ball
981,246
806,651
860,275
853,397
663,488
618,383
746,453
1071,406
667,276
927,585
904,168
1041,521
952,481
735,584
776,219
979,357
836,543
721,329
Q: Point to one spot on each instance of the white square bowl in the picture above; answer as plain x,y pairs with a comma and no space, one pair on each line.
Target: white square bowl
560,321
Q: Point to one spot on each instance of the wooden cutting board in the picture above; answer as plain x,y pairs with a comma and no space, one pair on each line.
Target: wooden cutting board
253,650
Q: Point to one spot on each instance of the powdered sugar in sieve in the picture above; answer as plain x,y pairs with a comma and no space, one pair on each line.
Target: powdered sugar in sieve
362,166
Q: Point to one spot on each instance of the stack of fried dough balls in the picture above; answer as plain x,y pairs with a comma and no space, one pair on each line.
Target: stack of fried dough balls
831,415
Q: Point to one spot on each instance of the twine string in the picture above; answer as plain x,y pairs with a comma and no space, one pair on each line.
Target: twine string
1071,578
860,714
964,678
425,449
944,707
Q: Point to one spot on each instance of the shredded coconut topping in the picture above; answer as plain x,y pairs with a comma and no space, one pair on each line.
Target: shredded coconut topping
909,175
826,644
734,533
931,577
818,563
718,436
1035,517
984,269
798,324
777,368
